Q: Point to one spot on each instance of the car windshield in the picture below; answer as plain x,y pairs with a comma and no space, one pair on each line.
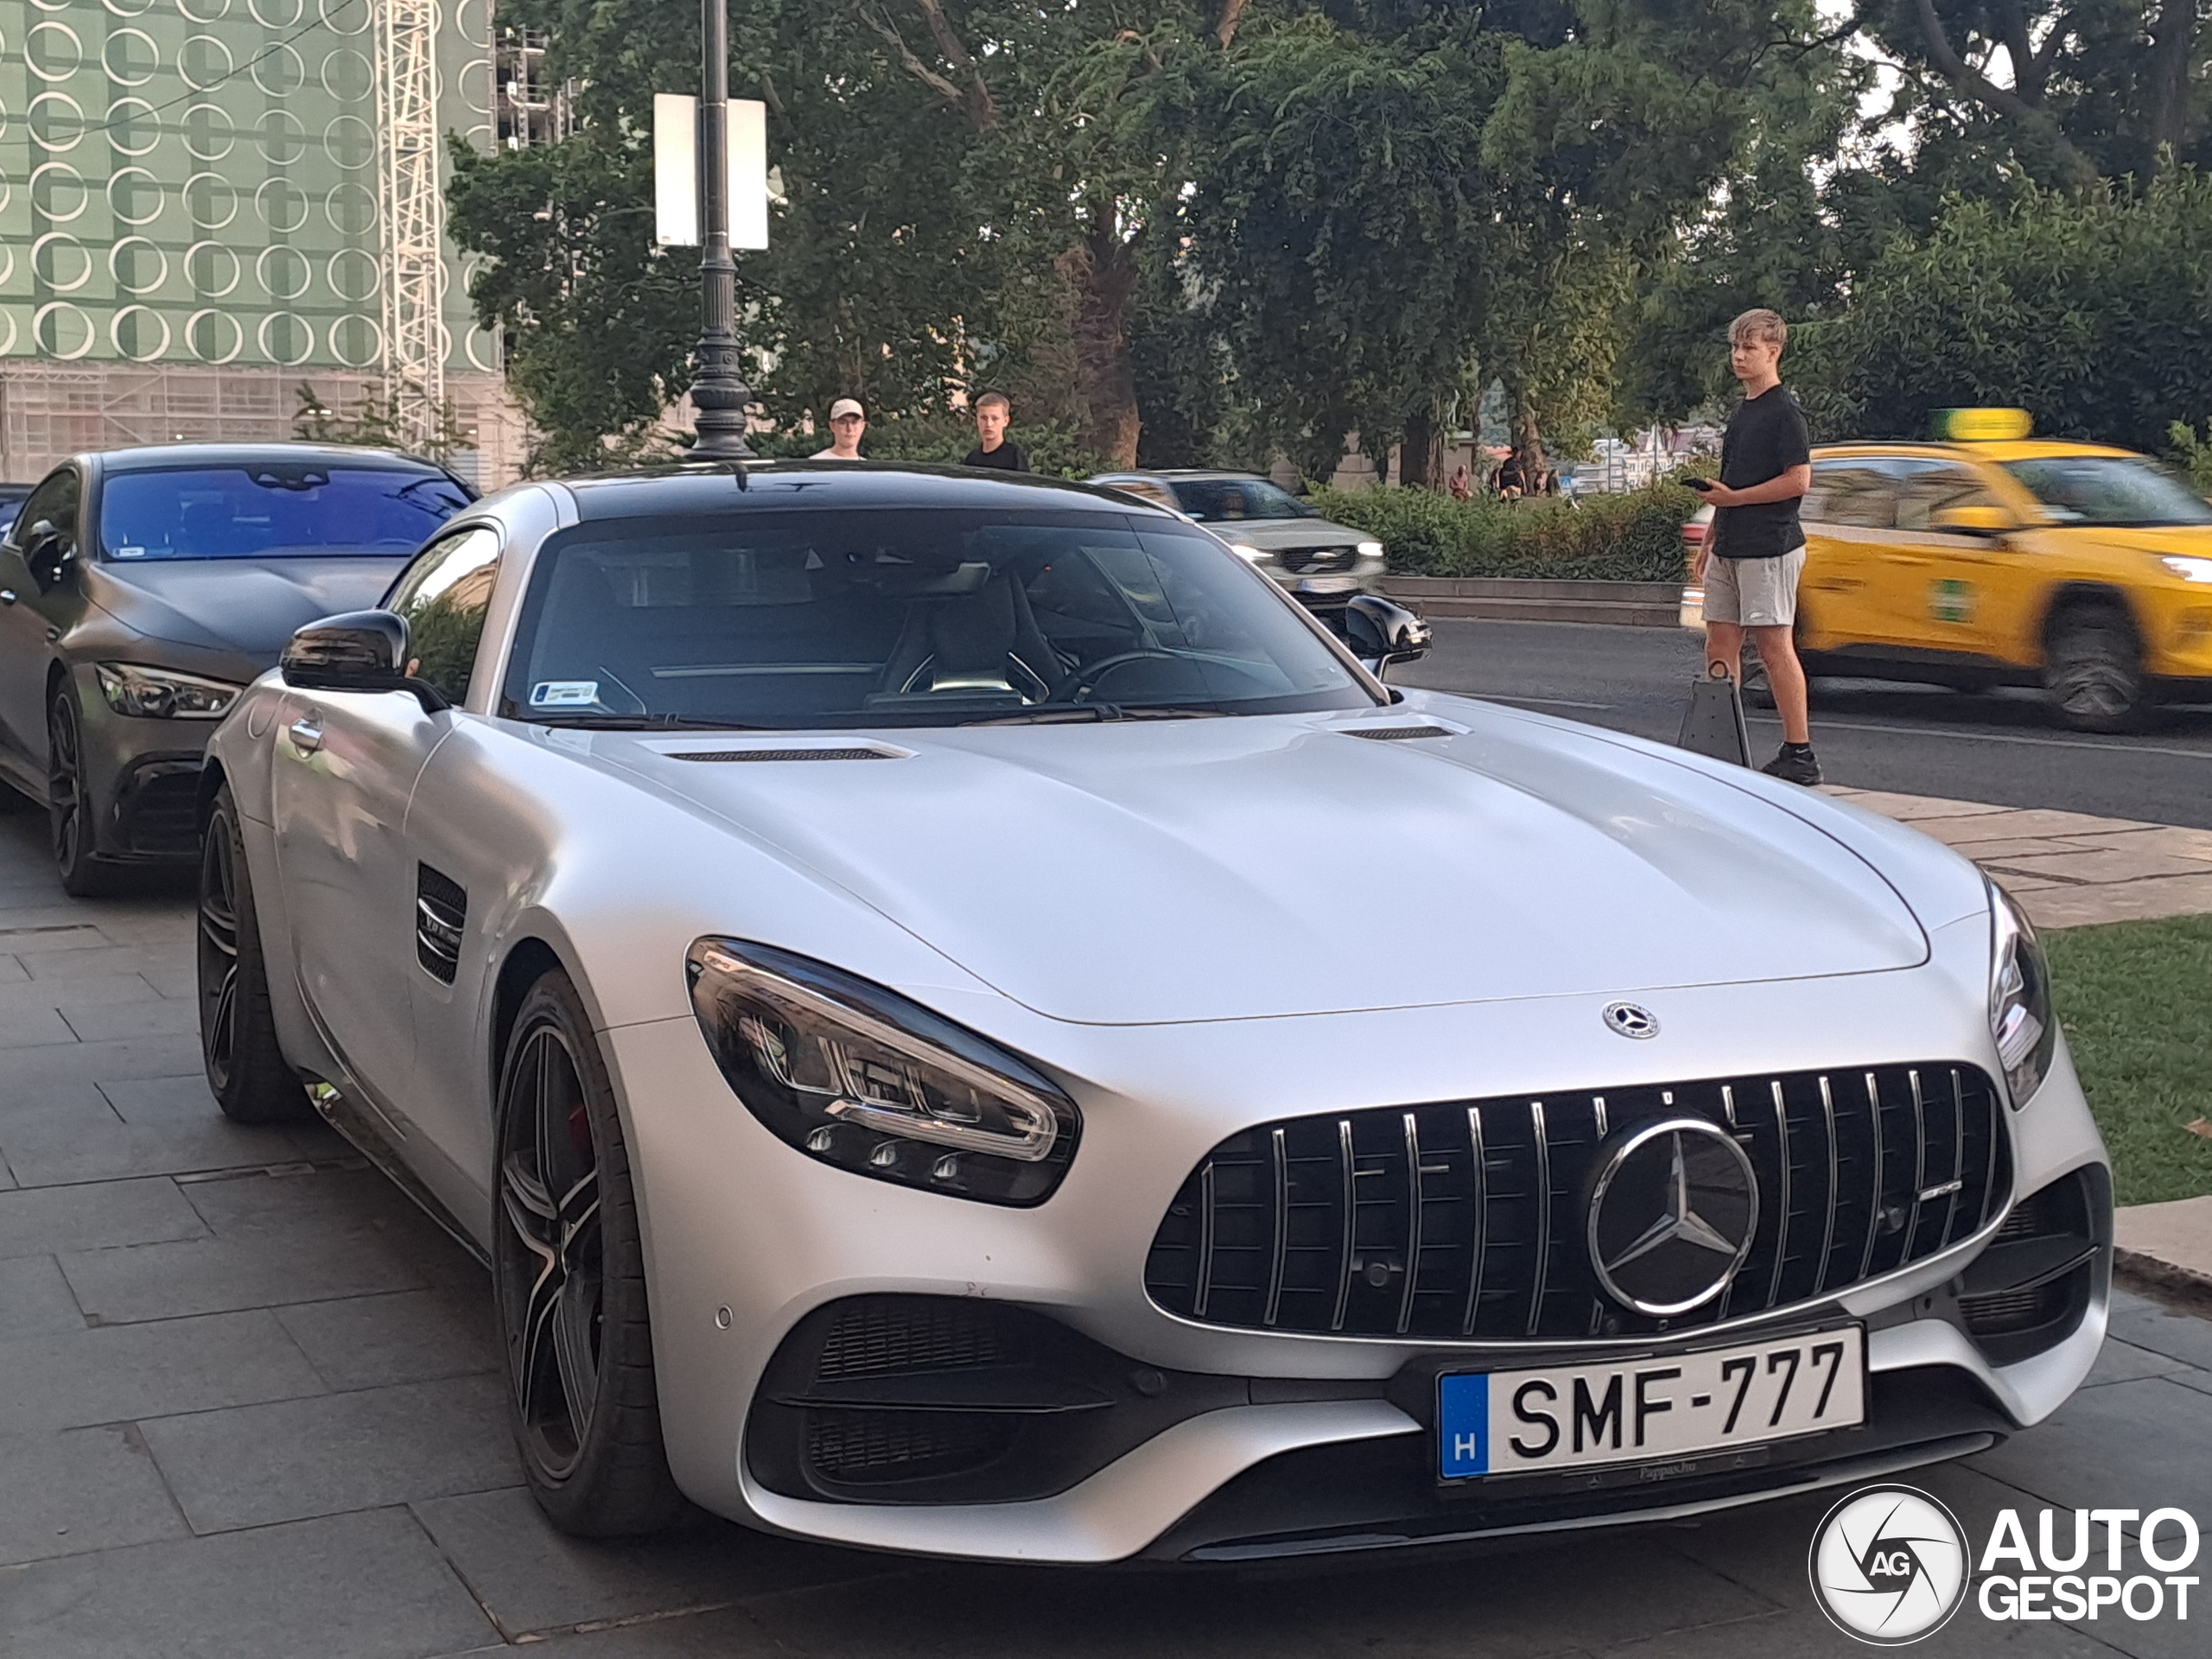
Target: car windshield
1222,500
2110,490
882,618
260,509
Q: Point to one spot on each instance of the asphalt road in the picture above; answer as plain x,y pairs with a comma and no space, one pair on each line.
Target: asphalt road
1999,747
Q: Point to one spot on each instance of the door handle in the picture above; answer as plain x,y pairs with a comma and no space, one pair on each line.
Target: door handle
306,732
1901,558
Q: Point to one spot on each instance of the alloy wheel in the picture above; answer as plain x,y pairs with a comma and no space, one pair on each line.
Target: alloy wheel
550,1271
64,783
219,953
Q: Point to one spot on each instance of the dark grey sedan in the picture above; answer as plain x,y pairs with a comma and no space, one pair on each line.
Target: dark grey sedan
140,589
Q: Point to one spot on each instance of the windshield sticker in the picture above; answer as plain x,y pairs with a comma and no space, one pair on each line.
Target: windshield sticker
129,552
564,694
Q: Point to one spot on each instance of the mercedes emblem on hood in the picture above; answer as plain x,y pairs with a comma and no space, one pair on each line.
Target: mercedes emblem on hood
1629,1020
1673,1212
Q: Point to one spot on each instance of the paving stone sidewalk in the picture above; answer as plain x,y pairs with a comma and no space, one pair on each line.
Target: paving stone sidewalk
2068,869
250,1409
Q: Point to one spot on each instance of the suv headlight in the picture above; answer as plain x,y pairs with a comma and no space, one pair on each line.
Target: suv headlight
2019,998
1370,549
860,1077
1246,551
162,693
2189,570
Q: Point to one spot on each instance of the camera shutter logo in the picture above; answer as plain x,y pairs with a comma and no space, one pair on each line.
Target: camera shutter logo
1889,1566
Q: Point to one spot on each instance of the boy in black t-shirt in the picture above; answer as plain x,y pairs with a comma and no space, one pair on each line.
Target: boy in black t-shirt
1751,562
992,414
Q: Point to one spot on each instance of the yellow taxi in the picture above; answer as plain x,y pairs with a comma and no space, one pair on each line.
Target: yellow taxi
2009,560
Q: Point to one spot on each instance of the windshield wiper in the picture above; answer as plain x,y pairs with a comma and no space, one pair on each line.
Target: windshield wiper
1056,713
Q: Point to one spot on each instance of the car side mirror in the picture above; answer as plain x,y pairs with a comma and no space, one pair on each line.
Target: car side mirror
1382,633
361,651
47,553
1973,521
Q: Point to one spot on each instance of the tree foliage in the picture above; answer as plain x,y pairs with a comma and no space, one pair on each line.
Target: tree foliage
2088,311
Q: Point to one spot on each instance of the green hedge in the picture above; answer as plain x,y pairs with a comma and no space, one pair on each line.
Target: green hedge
1632,537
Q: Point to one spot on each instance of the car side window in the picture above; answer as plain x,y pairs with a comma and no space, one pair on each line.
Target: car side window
444,595
1861,494
1931,486
54,501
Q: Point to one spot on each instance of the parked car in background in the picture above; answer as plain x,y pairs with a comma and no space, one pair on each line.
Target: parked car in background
1268,526
893,884
141,589
2010,561
12,497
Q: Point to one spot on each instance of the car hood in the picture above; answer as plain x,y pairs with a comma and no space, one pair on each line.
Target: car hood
1272,534
1244,867
2194,541
248,606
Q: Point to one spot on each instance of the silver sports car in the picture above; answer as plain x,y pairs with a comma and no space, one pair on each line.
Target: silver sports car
842,943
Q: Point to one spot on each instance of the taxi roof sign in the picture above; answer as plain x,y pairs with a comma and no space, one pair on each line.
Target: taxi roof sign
1983,425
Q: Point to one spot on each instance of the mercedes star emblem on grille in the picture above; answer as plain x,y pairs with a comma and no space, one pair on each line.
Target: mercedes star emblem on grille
1631,1021
1672,1214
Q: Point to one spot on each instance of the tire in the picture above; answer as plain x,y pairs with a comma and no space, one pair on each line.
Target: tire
70,834
246,1070
569,1272
2094,670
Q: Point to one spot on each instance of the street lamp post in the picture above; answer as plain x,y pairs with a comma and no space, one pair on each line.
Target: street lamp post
718,391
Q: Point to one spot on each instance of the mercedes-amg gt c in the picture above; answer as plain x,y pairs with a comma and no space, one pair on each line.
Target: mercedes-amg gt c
846,943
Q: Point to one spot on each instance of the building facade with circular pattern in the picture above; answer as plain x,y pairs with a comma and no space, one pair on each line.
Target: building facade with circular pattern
191,227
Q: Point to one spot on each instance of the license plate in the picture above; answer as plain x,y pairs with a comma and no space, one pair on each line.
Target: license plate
1651,1409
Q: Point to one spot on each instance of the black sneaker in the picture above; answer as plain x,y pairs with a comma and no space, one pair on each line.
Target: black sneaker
1794,766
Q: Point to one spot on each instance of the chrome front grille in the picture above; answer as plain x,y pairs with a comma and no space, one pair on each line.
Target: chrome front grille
1467,1221
1316,560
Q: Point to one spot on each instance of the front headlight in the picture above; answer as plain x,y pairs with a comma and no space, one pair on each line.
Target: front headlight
1246,551
2019,998
860,1077
2189,570
162,693
1370,549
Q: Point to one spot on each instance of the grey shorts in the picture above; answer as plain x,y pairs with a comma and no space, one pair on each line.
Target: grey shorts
1753,593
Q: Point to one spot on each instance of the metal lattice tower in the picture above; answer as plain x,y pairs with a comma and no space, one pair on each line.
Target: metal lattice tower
414,216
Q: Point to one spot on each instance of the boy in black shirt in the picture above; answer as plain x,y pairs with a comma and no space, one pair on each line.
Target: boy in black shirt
1751,563
993,412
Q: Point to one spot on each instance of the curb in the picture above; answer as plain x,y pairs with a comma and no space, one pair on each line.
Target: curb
2166,1246
1514,598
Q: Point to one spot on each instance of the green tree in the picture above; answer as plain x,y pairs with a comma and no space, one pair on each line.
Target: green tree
2086,309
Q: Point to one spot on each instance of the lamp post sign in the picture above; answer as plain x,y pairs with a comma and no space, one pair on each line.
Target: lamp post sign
710,190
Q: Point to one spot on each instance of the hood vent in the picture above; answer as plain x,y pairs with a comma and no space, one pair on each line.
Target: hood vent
850,753
1396,734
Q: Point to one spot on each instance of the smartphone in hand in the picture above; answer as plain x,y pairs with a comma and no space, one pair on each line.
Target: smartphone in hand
1700,485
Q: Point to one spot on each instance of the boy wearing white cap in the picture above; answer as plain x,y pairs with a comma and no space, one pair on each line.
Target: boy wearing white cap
847,420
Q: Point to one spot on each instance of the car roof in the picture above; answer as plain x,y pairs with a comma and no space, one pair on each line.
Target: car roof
2004,450
1172,474
704,486
142,457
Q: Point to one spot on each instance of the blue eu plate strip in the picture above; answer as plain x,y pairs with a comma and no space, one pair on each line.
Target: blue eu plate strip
1462,1426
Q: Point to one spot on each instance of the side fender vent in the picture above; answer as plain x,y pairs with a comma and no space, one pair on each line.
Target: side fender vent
441,911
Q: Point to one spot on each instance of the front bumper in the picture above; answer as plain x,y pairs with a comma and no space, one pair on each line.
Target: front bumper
142,778
746,1239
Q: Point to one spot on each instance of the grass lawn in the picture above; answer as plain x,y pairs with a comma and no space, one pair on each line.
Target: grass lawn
2132,997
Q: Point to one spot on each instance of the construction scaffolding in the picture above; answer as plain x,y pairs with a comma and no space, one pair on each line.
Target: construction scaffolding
416,342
